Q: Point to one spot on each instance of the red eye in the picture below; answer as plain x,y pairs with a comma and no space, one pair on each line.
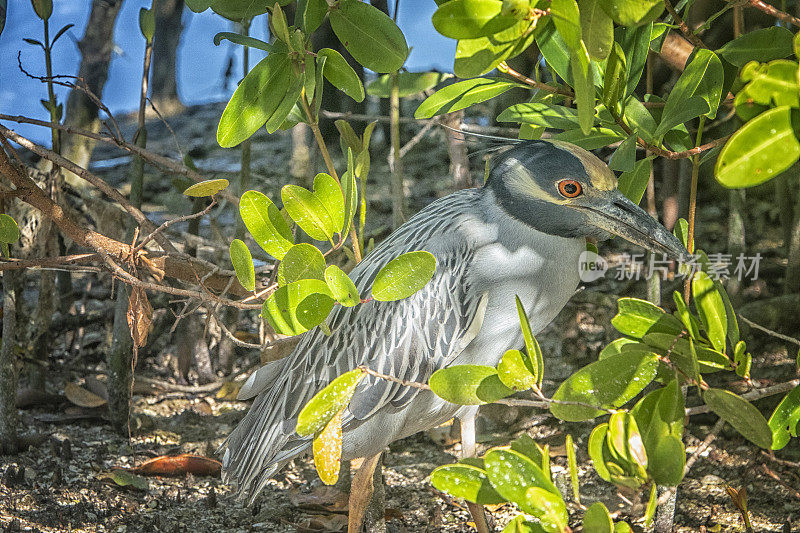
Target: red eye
569,188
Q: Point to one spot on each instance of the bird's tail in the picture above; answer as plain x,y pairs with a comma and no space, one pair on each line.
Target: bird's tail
261,444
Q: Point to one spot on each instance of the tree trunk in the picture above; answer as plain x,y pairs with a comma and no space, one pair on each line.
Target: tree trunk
8,368
165,52
95,46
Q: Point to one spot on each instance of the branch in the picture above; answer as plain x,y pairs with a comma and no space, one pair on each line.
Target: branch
535,84
685,30
778,14
768,331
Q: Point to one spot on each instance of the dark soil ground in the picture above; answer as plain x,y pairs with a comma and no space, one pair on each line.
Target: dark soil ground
62,481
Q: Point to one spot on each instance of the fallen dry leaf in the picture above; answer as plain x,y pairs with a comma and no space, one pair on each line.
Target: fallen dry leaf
82,397
178,465
140,315
323,524
321,499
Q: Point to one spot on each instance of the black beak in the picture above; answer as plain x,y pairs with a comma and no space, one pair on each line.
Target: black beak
621,217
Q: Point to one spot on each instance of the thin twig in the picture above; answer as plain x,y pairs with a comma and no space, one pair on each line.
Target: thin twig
169,223
778,14
685,30
768,331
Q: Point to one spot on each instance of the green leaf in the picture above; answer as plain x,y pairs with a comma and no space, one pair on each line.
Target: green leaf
763,45
597,137
697,91
625,441
371,37
681,231
685,316
43,8
9,231
342,287
541,114
408,83
770,84
278,25
147,23
125,478
567,18
256,99
297,307
468,384
310,14
302,261
624,159
528,447
244,40
597,443
198,6
609,382
597,519
467,482
243,264
623,527
759,150
615,77
535,358
633,184
461,95
660,414
475,57
514,371
667,461
636,316
351,197
513,475
784,420
616,347
319,213
206,188
711,309
572,463
341,75
584,88
287,103
597,29
403,276
555,50
640,120
518,524
635,42
633,12
238,10
326,403
741,414
470,19
266,224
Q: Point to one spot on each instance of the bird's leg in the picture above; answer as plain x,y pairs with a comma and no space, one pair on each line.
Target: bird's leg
375,515
360,493
468,449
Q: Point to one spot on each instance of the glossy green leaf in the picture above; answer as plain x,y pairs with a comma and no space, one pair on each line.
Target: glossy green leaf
597,29
278,26
623,527
9,231
785,419
614,77
549,509
341,75
470,19
534,352
465,481
468,384
319,213
763,45
512,474
371,37
256,100
711,309
302,261
342,287
541,114
597,137
624,159
327,402
609,382
632,12
615,347
518,524
625,440
742,361
741,414
403,276
697,91
350,191
572,463
667,461
685,315
243,264
514,372
582,76
633,184
636,316
528,447
681,231
244,40
566,17
461,95
770,84
597,443
640,120
760,150
287,103
310,14
297,307
408,83
597,519
238,10
198,6
206,188
681,353
475,57
659,414
635,42
266,224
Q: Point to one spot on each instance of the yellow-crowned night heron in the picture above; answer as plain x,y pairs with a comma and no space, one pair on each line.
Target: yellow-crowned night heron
520,234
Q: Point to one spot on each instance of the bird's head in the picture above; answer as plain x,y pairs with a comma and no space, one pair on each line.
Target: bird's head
561,189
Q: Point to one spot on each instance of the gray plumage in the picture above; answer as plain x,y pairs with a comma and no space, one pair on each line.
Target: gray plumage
487,252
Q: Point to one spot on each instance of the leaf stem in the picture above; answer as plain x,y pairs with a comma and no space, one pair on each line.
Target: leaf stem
693,202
